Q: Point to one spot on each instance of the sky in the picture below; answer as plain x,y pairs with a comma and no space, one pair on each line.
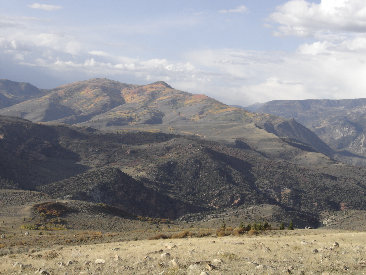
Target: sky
240,52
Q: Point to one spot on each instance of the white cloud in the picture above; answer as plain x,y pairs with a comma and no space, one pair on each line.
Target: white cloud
99,53
240,9
303,18
318,70
44,7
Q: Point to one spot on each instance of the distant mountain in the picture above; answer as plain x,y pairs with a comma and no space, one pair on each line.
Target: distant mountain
71,103
339,123
166,175
113,106
14,92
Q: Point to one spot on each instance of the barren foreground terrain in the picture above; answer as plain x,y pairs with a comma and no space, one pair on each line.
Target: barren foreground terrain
276,252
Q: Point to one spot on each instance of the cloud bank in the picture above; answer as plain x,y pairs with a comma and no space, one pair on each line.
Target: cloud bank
302,18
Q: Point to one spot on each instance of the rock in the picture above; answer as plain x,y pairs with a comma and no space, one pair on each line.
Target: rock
165,256
170,246
100,261
116,258
335,245
210,267
204,273
174,263
315,251
26,233
2,236
69,263
362,263
193,267
21,266
217,262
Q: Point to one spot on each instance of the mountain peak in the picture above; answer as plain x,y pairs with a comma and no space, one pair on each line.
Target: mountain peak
161,83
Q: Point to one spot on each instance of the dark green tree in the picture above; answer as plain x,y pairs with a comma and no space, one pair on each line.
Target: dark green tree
291,226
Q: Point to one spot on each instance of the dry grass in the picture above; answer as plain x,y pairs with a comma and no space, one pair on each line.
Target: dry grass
277,252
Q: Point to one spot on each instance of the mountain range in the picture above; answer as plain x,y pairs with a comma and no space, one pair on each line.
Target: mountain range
155,151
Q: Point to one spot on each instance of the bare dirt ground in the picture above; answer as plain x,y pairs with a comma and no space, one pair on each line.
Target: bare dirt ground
277,252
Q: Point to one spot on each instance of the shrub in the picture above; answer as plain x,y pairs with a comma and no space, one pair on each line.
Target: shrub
204,233
229,230
160,236
257,226
52,209
266,226
248,227
181,235
239,231
282,226
252,232
30,226
220,233
291,226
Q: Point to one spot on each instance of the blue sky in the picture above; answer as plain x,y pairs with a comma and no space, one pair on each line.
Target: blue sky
238,51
